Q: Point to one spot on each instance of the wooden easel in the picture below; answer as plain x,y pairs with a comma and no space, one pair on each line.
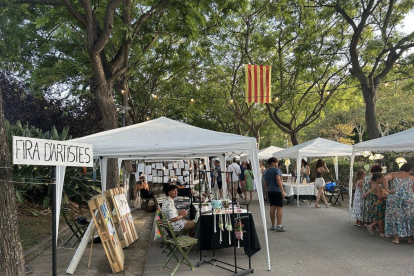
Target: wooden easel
107,232
121,218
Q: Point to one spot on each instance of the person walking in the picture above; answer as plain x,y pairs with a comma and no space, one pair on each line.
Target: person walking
234,169
356,212
399,216
275,193
243,180
367,202
217,180
248,176
378,204
320,182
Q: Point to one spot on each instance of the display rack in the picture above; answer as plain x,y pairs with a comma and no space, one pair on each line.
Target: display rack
212,261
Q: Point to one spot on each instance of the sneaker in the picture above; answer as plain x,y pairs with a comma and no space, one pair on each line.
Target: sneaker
273,228
280,229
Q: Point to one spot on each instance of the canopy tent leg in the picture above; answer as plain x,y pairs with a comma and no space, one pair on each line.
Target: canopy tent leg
256,170
351,176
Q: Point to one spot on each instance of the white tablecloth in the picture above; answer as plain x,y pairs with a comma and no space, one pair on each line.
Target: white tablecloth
308,189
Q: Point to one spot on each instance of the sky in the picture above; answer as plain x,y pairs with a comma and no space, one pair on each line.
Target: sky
409,23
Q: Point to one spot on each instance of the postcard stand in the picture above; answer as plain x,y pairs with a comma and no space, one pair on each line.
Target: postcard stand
212,260
107,232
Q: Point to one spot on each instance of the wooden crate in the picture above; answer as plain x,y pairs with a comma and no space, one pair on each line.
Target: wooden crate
107,232
123,220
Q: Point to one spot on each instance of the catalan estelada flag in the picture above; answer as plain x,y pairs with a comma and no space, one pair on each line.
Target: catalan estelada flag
258,88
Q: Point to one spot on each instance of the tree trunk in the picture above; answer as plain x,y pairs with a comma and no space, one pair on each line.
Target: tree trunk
370,96
294,137
256,135
11,261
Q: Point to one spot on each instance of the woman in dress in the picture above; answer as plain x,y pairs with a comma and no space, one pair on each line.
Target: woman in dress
305,170
366,203
378,205
320,182
248,177
399,217
178,219
356,212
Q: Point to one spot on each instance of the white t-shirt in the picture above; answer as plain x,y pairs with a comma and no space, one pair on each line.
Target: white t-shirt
235,169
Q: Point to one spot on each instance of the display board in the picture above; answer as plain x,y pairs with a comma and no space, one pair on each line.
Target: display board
122,217
107,232
162,172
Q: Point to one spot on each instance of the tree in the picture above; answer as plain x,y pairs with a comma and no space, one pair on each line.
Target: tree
12,262
395,107
308,66
108,32
376,45
79,113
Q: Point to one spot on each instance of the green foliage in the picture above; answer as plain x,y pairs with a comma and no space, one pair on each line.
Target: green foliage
34,181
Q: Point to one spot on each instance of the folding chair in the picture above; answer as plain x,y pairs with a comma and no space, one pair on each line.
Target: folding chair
174,244
77,229
333,197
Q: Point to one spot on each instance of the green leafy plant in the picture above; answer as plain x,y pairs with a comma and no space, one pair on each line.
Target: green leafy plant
34,181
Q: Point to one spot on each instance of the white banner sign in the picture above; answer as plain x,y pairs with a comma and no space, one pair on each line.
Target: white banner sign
32,151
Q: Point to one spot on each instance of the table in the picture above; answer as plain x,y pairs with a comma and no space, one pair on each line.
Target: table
205,232
308,189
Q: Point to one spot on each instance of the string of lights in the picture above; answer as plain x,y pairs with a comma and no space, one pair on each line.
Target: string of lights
205,100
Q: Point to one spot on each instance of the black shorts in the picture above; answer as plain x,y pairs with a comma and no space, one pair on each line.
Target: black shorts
220,184
275,199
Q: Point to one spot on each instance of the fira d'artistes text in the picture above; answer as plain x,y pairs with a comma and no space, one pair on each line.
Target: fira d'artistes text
53,152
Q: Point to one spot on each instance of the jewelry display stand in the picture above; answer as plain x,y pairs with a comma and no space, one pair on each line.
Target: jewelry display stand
237,270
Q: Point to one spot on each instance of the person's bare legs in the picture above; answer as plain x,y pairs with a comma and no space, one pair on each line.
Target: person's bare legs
279,211
221,193
251,196
272,214
396,239
320,190
381,227
323,197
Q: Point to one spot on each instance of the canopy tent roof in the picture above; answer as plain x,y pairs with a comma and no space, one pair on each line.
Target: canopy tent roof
165,138
314,148
401,141
266,153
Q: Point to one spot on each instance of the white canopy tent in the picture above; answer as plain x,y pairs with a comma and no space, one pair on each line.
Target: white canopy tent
266,153
318,147
401,141
166,139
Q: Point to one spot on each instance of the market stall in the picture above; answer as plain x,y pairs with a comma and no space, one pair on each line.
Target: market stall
166,139
402,141
318,147
266,153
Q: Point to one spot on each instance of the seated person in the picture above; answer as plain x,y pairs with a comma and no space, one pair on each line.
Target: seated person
143,187
178,221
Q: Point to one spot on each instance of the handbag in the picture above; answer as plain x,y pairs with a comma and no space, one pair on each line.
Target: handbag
239,191
138,202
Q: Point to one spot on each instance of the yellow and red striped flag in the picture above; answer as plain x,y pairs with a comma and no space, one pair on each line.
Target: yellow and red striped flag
258,89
